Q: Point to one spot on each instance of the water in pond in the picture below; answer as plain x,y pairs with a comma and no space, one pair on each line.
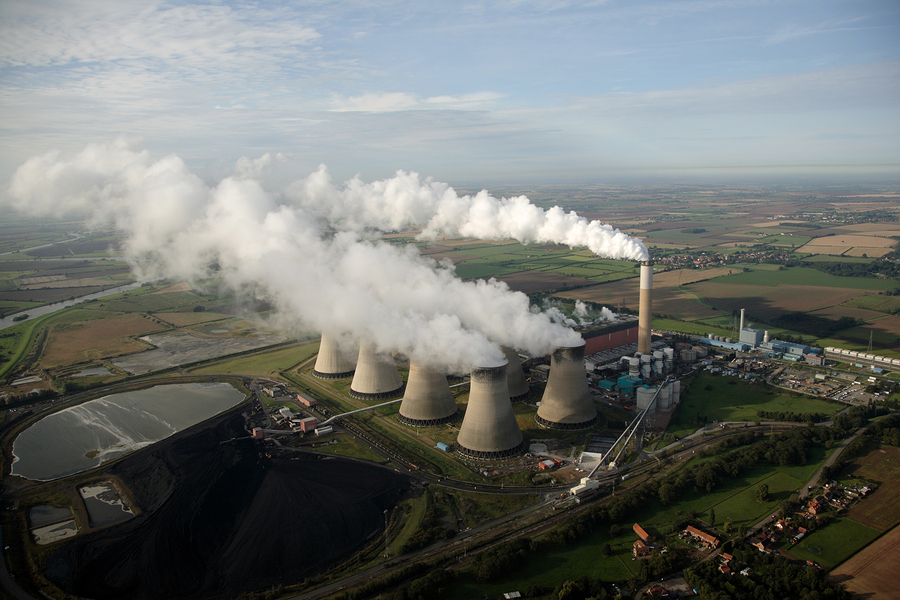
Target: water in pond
84,436
104,505
44,514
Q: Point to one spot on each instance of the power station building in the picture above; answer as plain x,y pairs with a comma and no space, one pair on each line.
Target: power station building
612,335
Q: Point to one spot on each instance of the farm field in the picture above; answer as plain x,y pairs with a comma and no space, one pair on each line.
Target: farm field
262,364
834,543
879,510
872,573
71,341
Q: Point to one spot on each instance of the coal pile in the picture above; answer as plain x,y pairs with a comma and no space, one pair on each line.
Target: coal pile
218,519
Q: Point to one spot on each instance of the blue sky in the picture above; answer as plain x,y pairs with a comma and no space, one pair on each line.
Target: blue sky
464,92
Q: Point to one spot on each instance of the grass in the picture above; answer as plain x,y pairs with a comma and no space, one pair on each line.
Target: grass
263,363
831,545
733,399
351,447
806,276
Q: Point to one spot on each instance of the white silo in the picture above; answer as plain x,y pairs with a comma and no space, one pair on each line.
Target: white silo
567,403
676,391
645,371
376,376
489,429
518,386
427,401
634,366
331,362
664,402
644,396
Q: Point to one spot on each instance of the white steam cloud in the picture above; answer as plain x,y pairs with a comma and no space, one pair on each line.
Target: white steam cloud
406,201
285,249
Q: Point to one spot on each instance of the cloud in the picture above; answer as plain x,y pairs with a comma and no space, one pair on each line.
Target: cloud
400,101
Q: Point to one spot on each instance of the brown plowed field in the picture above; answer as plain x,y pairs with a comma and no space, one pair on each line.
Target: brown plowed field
90,340
772,300
872,572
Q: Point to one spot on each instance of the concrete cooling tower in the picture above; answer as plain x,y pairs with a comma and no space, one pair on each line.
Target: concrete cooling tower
427,401
376,376
645,307
518,387
331,363
489,429
567,400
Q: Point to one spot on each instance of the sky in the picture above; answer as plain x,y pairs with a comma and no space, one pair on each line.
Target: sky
530,91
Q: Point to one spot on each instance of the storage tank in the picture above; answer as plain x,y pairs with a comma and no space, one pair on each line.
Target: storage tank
489,429
664,402
646,358
676,391
427,401
645,371
518,386
376,376
658,355
669,353
644,396
331,362
634,366
567,403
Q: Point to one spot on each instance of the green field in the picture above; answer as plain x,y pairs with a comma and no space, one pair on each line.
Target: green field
264,363
733,399
805,276
833,544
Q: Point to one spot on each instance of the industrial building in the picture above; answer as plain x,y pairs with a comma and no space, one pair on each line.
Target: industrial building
489,429
611,335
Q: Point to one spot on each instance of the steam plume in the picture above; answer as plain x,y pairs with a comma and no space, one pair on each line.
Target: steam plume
406,201
178,227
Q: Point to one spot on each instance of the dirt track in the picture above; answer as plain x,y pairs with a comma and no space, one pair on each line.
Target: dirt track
219,520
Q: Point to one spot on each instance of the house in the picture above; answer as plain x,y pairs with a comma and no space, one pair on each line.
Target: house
704,538
640,548
640,532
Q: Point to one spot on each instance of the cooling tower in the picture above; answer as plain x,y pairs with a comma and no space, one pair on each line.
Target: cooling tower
376,376
331,363
567,400
427,401
645,307
518,387
489,429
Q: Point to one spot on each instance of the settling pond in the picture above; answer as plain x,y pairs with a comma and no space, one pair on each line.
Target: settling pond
82,437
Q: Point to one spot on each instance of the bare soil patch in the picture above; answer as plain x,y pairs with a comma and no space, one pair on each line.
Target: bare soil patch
771,301
182,319
872,572
89,340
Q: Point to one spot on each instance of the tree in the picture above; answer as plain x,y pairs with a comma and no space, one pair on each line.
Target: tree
762,492
712,517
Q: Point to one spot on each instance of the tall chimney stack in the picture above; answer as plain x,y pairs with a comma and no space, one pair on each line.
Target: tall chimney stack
742,323
645,309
